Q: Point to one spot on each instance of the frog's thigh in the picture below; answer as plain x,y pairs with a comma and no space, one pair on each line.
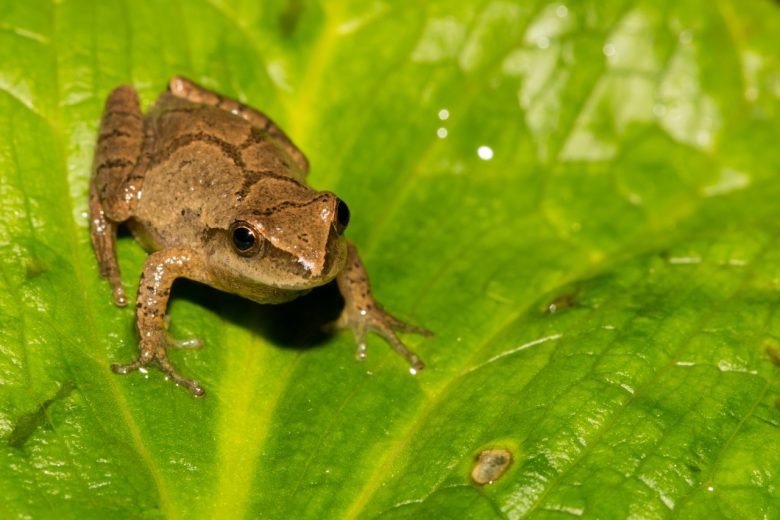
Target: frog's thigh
191,91
118,148
118,152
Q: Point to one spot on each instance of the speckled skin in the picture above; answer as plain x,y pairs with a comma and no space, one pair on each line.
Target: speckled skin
184,178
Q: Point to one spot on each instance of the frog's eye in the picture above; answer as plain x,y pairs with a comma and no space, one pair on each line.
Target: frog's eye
342,216
245,239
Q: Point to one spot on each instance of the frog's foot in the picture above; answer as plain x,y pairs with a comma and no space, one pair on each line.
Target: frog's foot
103,232
158,357
111,272
375,319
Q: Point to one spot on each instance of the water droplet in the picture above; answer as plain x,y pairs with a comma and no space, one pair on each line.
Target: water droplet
441,133
444,114
676,260
562,11
609,50
485,153
413,371
703,138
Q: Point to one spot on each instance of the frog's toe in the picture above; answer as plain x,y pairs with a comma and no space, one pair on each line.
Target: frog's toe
190,384
170,341
385,319
359,330
191,343
120,300
415,363
414,329
118,368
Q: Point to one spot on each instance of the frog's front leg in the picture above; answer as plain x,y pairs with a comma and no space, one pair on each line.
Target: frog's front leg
363,314
160,271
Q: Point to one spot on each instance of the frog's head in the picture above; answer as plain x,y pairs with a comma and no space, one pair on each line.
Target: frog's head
286,236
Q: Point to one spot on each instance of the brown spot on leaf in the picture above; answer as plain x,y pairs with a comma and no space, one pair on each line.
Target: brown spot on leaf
773,352
34,267
562,302
490,466
289,18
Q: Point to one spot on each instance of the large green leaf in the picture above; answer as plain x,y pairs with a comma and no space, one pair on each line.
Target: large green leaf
603,277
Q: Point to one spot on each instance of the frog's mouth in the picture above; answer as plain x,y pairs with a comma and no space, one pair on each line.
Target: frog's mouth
277,276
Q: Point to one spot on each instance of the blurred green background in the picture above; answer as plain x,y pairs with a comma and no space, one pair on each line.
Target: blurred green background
579,198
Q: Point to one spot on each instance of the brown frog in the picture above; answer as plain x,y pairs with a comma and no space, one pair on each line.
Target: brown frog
216,192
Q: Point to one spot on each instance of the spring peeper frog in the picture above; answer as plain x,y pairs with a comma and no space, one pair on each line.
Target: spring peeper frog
216,192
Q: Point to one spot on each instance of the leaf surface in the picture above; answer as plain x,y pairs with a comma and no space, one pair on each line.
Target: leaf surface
579,199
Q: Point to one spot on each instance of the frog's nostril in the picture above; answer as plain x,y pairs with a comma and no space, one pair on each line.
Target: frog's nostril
342,216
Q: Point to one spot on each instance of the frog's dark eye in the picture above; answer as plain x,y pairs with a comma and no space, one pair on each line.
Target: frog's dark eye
245,239
342,216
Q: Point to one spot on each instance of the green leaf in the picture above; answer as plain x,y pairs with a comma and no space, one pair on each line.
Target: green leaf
580,199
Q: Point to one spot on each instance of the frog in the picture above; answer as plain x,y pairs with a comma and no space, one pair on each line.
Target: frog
217,193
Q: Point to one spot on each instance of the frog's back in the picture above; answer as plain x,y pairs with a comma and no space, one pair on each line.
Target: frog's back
199,162
174,125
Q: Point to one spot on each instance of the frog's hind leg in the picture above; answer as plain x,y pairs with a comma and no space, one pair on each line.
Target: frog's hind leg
113,187
191,91
103,232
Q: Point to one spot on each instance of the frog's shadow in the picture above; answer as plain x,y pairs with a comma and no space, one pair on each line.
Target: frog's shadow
299,324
